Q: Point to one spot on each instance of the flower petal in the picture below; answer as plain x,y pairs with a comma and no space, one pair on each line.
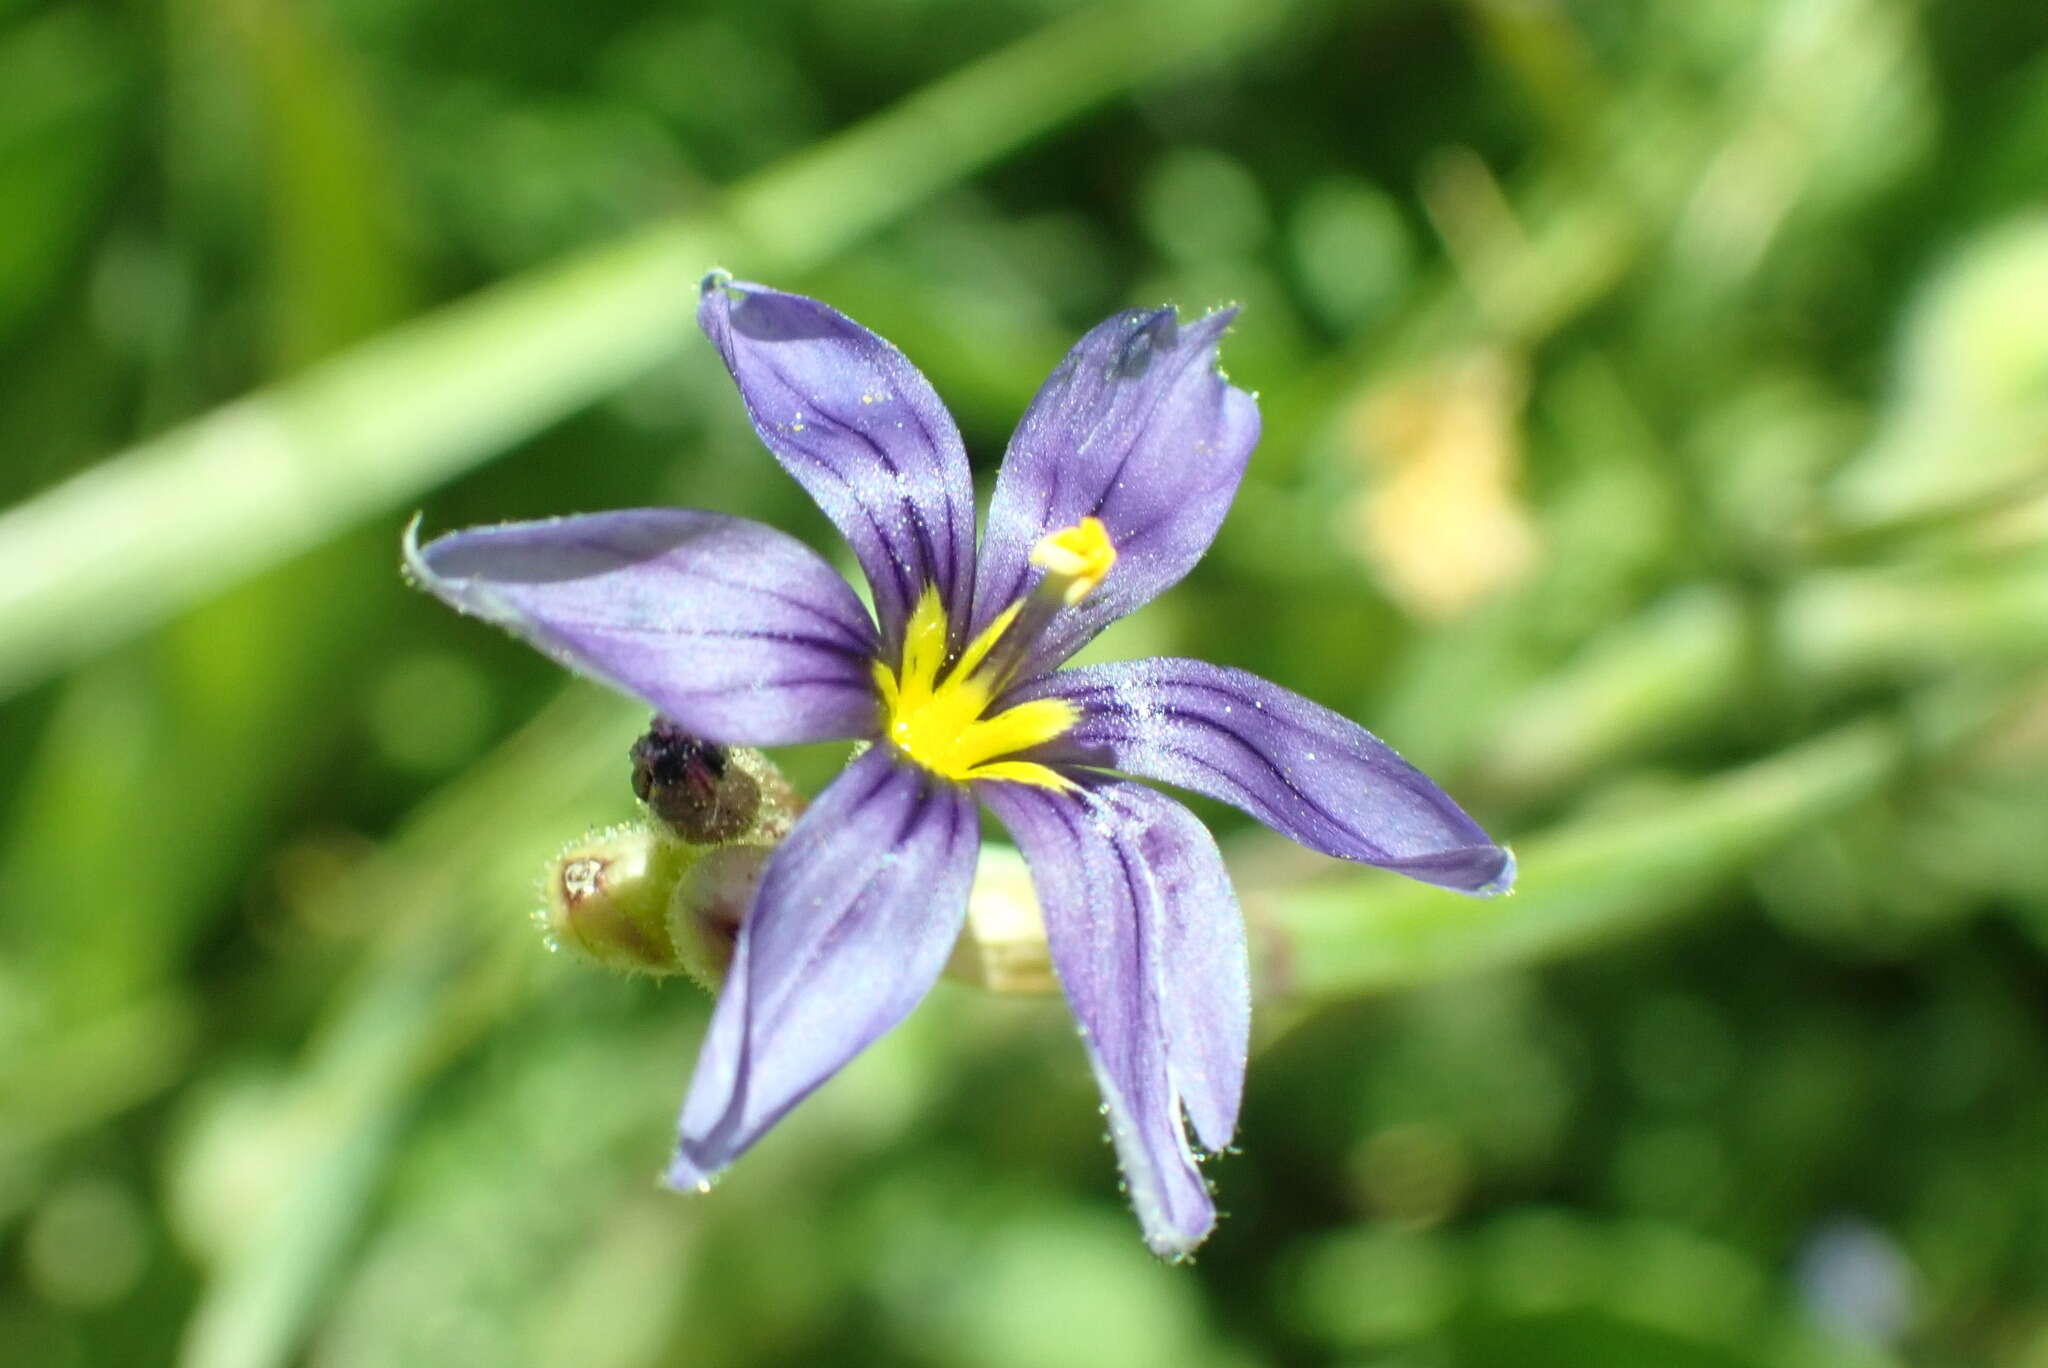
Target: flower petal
855,917
1304,771
1145,933
863,432
734,631
1136,427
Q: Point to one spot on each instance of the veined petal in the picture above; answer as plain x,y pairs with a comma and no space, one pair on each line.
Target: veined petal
856,914
863,432
1145,935
736,632
1304,771
1135,427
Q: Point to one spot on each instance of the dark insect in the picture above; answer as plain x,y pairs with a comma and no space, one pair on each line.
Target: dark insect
693,785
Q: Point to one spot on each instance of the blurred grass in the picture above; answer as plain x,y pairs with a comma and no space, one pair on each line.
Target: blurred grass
361,434
1656,429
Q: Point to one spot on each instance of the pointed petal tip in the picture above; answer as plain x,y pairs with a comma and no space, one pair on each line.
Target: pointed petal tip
1217,316
1154,331
684,1175
1177,1243
1174,1251
1159,331
1502,883
717,292
411,564
1473,871
1150,333
416,567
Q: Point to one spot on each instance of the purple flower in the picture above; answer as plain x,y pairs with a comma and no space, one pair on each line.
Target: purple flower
1113,487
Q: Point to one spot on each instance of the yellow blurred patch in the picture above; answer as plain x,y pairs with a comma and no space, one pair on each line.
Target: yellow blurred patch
1442,522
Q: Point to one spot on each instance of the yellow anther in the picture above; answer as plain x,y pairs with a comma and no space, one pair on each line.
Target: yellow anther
1075,558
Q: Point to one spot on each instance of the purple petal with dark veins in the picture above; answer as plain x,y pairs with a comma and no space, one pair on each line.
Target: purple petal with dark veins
856,914
863,432
1304,771
734,631
1145,933
1135,427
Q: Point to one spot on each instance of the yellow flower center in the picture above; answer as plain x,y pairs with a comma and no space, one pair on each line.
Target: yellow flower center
936,711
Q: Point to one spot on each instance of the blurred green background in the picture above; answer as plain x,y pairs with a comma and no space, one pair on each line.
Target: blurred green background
1656,451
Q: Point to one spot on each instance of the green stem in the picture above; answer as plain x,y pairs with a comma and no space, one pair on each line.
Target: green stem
1694,659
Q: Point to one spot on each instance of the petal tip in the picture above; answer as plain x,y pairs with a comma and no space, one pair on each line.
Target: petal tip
720,296
1175,1245
715,295
413,566
684,1175
409,560
1157,332
1502,883
1151,332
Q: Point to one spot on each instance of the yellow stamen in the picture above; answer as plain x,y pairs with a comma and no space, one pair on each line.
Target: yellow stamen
941,723
978,649
1075,558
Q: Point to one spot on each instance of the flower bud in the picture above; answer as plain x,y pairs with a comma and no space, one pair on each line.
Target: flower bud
709,902
1002,945
607,898
647,899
